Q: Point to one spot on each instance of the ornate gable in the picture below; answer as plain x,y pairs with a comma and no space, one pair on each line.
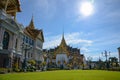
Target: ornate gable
62,48
34,33
12,6
40,36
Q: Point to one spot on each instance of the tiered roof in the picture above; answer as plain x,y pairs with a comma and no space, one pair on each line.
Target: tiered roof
32,32
13,6
62,48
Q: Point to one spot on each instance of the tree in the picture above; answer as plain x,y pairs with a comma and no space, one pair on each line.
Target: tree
89,61
31,66
32,62
113,61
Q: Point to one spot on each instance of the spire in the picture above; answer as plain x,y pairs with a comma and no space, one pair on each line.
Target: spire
62,47
63,42
31,25
63,33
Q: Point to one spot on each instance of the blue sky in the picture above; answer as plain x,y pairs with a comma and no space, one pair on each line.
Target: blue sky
92,34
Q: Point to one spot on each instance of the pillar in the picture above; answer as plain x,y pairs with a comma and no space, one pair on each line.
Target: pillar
2,30
119,54
19,44
12,43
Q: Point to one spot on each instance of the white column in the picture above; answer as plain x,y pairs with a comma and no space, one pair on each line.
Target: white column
10,42
19,43
14,41
119,54
1,37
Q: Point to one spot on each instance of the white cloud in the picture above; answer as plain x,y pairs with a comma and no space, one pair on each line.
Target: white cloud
108,40
72,39
114,54
75,39
84,49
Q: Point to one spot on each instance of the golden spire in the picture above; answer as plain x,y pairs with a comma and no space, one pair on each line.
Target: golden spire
63,42
31,25
62,47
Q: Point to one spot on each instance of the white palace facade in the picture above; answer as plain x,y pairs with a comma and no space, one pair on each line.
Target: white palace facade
16,42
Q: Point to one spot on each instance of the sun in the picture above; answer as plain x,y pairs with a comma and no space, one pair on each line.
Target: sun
86,8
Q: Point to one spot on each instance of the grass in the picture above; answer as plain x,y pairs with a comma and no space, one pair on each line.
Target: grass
63,75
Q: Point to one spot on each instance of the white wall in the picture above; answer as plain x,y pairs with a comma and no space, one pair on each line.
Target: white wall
61,58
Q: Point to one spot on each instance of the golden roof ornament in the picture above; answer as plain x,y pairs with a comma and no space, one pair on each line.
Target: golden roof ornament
31,25
10,6
32,32
63,42
62,47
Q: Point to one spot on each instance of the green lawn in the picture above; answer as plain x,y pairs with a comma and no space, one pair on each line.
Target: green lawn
63,75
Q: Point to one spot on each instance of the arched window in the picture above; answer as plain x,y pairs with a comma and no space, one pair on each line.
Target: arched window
6,40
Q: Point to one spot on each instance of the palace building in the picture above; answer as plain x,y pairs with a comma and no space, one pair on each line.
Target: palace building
10,33
18,44
64,56
34,39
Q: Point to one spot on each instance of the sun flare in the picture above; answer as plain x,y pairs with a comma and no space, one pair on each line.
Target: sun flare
86,8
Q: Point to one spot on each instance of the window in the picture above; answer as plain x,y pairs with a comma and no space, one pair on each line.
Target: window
16,44
32,42
6,40
23,38
26,39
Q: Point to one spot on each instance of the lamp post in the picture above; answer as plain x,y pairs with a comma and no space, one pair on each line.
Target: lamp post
106,54
25,47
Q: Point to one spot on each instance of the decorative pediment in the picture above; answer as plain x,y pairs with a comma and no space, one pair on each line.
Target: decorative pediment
62,48
34,33
13,6
40,36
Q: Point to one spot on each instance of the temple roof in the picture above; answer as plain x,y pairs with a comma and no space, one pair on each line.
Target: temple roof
62,48
32,32
63,42
31,25
13,6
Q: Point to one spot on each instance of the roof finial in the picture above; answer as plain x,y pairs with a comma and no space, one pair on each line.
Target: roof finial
63,32
31,25
32,17
63,42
